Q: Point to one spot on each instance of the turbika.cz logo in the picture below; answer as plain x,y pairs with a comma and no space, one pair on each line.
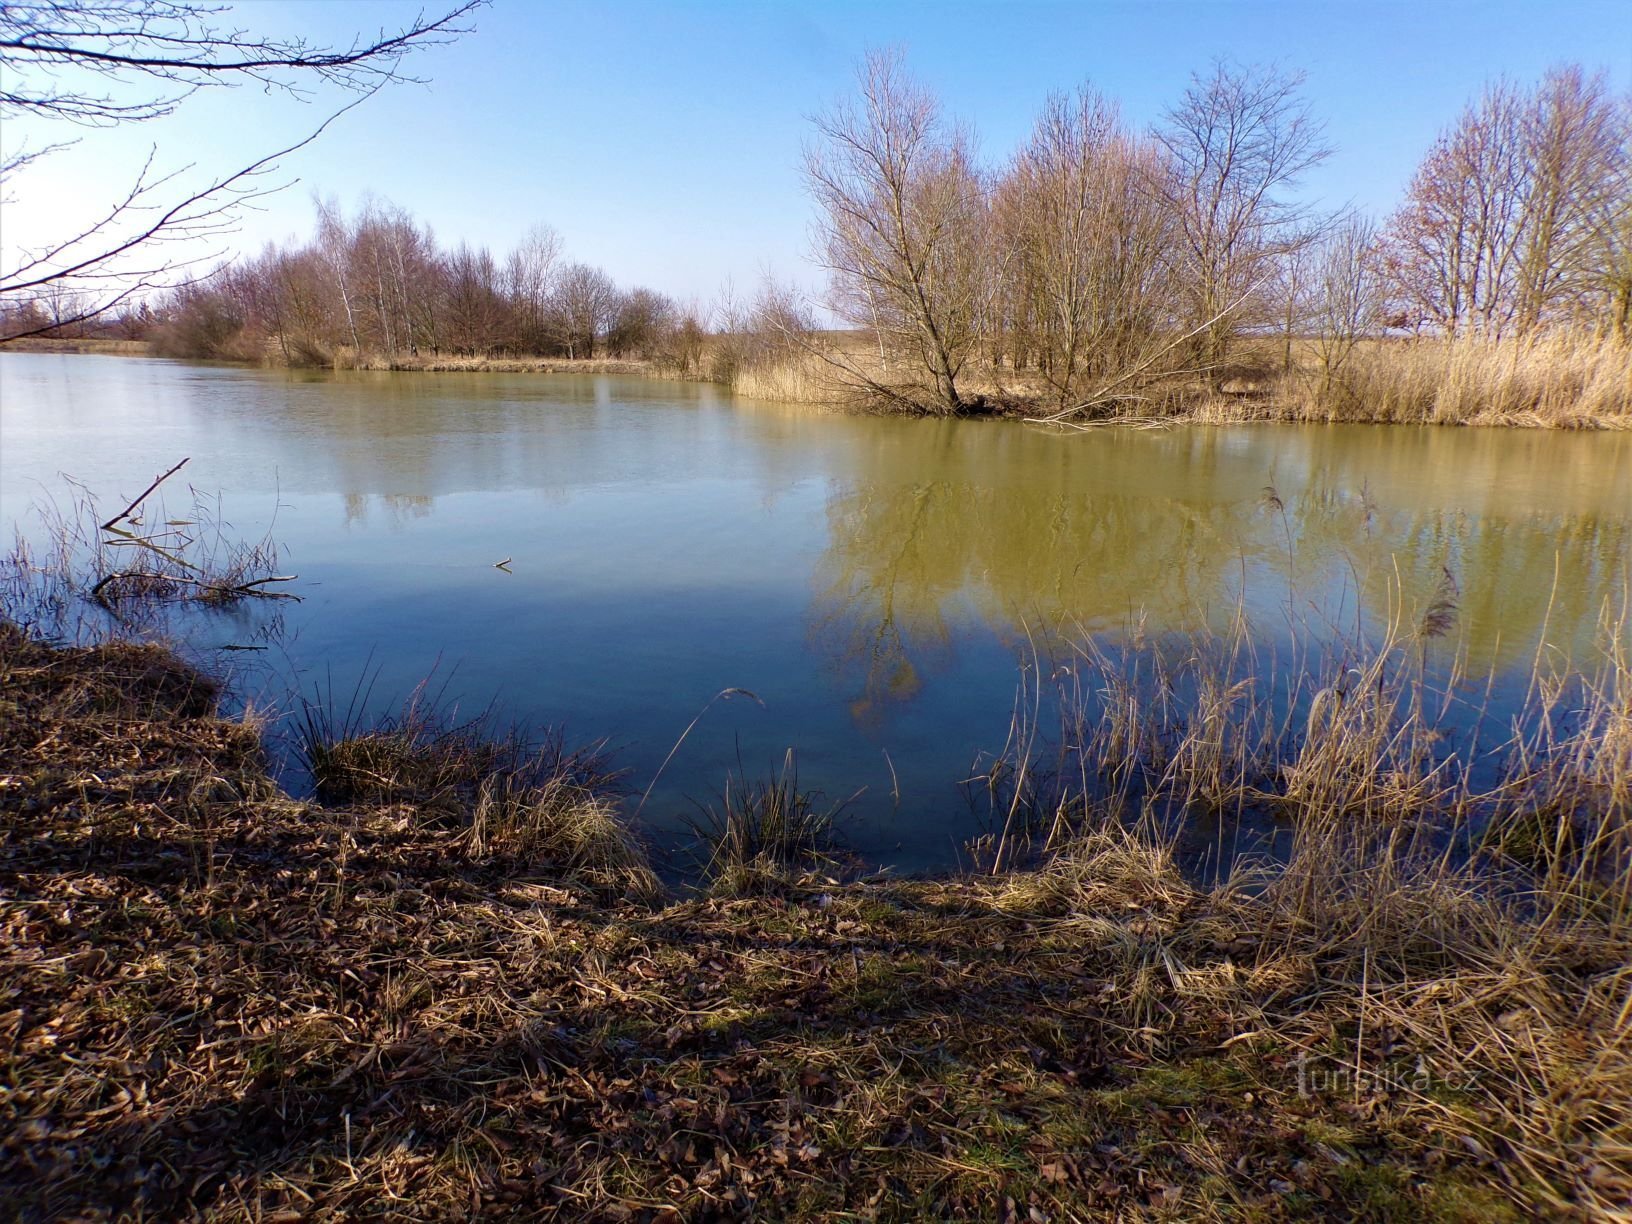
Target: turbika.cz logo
1328,1076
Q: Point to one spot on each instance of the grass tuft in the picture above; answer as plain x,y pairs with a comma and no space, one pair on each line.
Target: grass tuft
506,800
762,833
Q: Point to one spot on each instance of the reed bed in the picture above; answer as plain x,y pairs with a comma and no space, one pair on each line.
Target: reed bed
1543,382
1352,735
1560,382
793,378
1550,381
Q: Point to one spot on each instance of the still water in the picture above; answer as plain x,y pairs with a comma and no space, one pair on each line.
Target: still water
873,581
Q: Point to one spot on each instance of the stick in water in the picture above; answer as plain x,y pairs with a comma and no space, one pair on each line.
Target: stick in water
125,513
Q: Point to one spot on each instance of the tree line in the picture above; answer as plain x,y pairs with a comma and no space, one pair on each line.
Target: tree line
125,63
1096,262
1099,257
378,283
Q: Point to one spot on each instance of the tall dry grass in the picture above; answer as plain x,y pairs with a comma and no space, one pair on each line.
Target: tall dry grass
761,835
792,378
1361,740
1556,381
1446,922
1564,382
71,576
508,800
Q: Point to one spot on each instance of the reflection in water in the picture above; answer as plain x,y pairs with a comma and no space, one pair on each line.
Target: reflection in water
399,508
871,579
956,523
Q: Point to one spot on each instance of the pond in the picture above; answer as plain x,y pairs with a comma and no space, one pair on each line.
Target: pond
876,583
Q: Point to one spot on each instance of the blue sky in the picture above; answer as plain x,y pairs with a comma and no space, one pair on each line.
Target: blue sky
663,139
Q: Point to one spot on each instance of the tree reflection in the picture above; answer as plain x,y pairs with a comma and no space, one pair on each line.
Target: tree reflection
955,526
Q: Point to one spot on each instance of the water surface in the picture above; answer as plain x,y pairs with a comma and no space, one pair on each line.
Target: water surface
873,581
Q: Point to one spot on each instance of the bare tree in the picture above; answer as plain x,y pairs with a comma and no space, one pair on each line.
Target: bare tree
1294,285
1236,142
1576,148
1510,221
1085,242
642,324
1454,243
334,246
1613,262
689,338
476,311
584,301
900,227
774,326
104,63
529,280
1348,294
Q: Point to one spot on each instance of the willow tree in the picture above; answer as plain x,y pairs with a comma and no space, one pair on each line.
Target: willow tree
900,228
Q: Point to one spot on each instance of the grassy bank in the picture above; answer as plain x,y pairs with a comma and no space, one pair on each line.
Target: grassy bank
429,997
1558,382
501,365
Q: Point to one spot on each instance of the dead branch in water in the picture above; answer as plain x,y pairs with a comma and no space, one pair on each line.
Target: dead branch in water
216,590
125,513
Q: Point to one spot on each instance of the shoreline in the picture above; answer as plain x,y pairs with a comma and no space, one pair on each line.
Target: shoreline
798,381
219,1000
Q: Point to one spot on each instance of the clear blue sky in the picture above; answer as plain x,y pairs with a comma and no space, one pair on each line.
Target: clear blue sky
663,139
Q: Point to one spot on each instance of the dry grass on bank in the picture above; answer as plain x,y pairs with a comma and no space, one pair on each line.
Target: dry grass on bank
346,360
1556,382
1563,383
796,379
108,348
218,1001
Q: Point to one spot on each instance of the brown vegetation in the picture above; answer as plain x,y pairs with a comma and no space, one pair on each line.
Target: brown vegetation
376,291
1520,216
1101,274
451,984
1553,381
103,346
1105,274
219,1001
